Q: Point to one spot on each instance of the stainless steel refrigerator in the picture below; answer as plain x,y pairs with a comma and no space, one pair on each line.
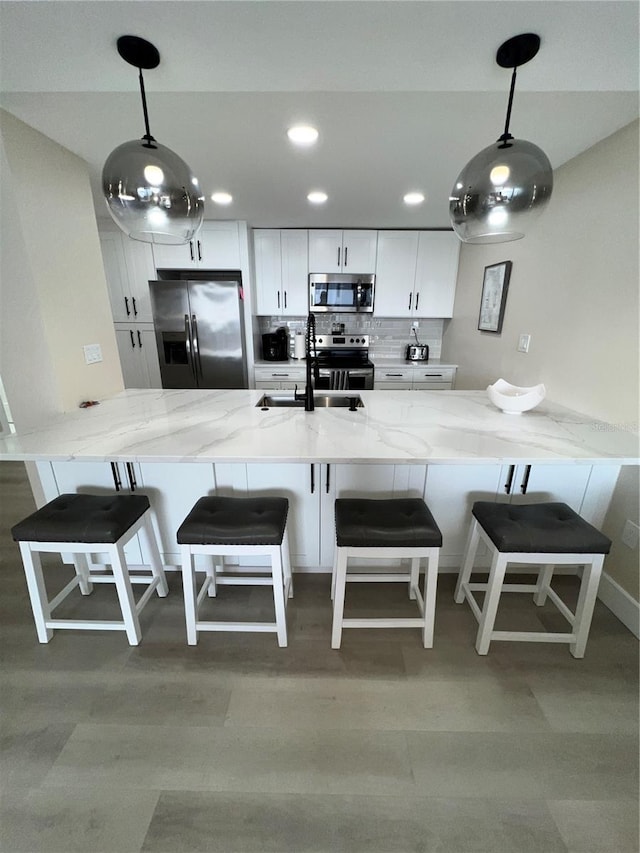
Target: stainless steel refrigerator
199,325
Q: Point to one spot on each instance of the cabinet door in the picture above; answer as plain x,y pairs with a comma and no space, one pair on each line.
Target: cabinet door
295,482
395,273
172,491
115,269
359,251
140,271
181,257
148,353
218,246
536,483
134,372
96,478
436,273
325,251
295,272
266,245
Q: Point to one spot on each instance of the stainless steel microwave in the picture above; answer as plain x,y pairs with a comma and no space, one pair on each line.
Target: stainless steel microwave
341,293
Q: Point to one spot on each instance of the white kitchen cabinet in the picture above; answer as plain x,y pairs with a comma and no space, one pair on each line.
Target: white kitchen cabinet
216,246
282,268
138,355
451,491
414,378
350,251
416,273
279,378
128,266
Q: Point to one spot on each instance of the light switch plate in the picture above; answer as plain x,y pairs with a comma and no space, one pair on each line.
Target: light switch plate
523,343
92,353
630,533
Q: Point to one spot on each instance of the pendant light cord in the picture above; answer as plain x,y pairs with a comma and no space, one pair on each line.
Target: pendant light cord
506,136
147,136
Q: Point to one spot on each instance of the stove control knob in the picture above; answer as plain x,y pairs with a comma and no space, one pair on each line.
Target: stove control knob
351,341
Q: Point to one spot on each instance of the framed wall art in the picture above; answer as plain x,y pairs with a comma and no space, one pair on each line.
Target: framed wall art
495,285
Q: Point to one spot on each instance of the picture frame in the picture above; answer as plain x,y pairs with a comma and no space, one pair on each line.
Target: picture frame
495,285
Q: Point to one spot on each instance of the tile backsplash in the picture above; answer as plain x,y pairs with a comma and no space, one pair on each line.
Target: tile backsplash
389,336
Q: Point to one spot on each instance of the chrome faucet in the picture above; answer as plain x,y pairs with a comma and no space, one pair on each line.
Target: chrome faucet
311,365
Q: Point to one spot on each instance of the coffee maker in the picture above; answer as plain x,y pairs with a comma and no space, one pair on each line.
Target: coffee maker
275,345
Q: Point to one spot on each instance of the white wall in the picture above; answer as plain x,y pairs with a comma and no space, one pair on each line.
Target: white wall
54,294
574,289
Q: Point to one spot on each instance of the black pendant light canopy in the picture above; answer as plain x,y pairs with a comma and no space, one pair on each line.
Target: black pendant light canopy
510,182
150,191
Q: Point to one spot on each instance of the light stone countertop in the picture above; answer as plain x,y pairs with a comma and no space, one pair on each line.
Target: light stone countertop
434,427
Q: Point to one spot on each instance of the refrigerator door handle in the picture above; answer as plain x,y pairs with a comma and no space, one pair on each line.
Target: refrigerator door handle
189,343
196,343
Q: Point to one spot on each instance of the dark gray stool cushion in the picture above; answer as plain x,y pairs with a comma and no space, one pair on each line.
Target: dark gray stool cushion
235,521
82,518
385,523
545,528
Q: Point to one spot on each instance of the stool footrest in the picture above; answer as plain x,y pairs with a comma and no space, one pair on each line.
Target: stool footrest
266,627
64,592
533,636
383,623
373,577
85,625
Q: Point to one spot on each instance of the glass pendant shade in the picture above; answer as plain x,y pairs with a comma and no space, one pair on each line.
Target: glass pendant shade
151,193
499,191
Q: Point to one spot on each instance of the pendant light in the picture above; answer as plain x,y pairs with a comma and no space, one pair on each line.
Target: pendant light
508,183
150,192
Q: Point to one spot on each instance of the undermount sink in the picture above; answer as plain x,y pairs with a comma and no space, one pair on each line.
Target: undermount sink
321,401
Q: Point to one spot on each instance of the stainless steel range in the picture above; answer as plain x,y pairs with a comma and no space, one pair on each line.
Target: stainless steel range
343,362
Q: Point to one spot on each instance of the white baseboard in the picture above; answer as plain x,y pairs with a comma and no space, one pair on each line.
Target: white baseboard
623,606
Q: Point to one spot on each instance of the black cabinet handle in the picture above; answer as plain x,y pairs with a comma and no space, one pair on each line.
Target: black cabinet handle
525,480
398,375
507,485
285,299
139,339
191,250
132,476
135,310
199,250
133,343
278,299
126,305
410,295
338,255
346,249
115,473
313,479
417,299
329,466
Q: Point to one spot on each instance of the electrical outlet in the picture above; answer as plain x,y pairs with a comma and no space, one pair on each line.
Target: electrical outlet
92,353
630,533
523,343
416,324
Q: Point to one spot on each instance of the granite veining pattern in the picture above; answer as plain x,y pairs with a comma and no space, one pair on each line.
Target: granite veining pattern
445,427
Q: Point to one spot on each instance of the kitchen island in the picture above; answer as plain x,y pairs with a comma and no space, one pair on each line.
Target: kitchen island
452,447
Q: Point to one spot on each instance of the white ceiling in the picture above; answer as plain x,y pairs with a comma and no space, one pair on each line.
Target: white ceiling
403,93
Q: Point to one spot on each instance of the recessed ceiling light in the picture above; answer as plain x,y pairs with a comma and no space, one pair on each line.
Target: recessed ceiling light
302,134
317,197
413,198
222,198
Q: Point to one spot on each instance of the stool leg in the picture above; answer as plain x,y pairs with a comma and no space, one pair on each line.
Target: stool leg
125,594
334,572
544,580
278,595
414,577
83,573
37,591
430,588
490,605
467,561
189,593
586,603
157,569
286,563
338,597
211,569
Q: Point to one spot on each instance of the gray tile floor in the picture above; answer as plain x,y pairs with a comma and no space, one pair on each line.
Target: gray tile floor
239,746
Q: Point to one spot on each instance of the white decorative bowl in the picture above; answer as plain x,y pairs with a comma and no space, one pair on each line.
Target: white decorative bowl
514,400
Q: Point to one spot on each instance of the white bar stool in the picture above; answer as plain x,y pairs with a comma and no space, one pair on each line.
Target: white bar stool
220,526
544,534
386,529
79,525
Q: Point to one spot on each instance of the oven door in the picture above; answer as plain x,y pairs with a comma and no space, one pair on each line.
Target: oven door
344,379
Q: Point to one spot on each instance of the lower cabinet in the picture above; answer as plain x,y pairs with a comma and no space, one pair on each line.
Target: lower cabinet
415,378
279,378
138,355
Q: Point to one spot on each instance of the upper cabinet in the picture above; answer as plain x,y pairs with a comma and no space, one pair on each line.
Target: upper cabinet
416,273
281,271
342,251
216,246
128,266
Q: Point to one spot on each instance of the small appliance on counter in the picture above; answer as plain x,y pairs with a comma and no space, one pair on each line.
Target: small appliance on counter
417,351
275,345
298,350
